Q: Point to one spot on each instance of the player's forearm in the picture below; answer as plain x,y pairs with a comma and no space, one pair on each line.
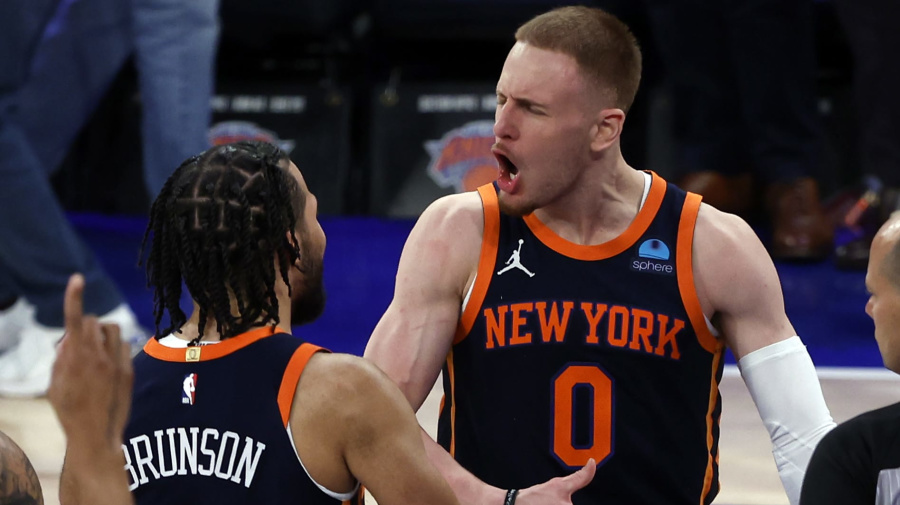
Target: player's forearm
467,487
421,484
795,417
92,477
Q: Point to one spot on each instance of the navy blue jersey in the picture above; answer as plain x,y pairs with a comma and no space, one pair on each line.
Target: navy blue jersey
209,424
567,352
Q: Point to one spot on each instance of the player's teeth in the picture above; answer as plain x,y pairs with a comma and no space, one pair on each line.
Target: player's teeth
513,175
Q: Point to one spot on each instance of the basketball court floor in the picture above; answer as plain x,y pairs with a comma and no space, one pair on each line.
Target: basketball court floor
825,306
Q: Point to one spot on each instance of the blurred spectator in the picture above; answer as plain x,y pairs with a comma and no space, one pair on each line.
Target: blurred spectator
871,27
58,58
743,82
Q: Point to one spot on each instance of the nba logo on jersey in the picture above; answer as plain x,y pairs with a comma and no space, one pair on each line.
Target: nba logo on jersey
189,389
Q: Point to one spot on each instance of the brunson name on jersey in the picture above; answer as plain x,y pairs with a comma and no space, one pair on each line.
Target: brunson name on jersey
191,451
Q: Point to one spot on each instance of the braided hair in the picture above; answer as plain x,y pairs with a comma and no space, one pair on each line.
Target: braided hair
219,224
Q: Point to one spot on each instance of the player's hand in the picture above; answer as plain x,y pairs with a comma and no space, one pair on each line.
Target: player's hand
558,490
92,377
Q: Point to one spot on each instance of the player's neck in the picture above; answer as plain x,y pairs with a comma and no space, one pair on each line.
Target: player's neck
191,328
599,208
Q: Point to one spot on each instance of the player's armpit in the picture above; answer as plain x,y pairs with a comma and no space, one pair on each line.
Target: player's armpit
413,337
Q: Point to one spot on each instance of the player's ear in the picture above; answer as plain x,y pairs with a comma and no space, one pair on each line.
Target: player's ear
607,128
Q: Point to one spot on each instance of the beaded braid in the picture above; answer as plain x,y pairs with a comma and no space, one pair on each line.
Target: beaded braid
216,226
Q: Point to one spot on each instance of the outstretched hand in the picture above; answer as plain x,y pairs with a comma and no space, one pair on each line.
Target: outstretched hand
558,491
92,377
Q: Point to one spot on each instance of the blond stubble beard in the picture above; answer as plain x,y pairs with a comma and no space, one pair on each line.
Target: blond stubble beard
512,211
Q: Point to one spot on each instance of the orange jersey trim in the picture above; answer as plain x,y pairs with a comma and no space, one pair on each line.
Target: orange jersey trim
360,497
208,352
685,266
486,261
613,247
450,372
713,397
707,340
291,377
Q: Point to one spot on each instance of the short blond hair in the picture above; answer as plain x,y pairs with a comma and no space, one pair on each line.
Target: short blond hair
603,46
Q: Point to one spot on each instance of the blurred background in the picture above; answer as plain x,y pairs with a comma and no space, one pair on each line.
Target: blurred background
366,95
386,105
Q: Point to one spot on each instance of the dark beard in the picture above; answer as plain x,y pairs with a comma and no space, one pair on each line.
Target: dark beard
307,293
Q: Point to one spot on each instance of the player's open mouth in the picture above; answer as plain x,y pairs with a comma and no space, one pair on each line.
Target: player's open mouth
507,166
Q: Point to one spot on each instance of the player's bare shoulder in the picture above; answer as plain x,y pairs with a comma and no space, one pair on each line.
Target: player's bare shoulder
459,217
728,256
339,380
718,232
447,235
344,387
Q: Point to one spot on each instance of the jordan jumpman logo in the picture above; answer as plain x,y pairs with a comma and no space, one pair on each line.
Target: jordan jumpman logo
514,261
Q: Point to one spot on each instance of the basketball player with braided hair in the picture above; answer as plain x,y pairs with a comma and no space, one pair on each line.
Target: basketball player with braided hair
216,224
228,407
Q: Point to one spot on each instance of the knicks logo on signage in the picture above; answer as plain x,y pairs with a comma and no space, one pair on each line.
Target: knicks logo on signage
462,158
653,257
227,132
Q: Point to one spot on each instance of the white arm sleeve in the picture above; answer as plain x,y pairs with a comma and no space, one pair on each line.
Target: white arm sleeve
783,383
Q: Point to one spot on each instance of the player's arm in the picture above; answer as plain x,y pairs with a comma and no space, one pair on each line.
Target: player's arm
90,390
350,422
413,337
737,280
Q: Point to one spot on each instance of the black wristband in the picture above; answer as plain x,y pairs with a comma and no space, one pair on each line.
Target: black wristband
511,497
